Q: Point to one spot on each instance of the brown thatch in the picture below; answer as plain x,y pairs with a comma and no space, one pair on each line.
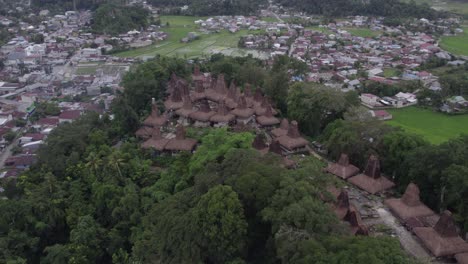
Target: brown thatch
186,109
372,167
268,119
409,205
372,181
341,205
144,132
156,141
248,95
371,185
462,258
354,219
258,96
175,100
242,111
443,239
232,96
275,147
259,143
204,113
197,76
342,168
282,129
222,115
155,119
198,93
180,143
293,140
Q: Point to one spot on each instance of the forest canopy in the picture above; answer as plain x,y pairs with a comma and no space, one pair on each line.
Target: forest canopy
115,19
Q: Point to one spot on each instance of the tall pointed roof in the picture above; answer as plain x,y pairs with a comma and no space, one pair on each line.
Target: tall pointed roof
187,108
371,180
259,143
242,111
293,140
409,205
180,142
204,112
343,168
155,119
156,141
443,239
282,130
175,99
222,115
372,167
275,147
267,119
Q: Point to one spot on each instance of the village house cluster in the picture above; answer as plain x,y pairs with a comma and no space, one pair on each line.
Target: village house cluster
66,64
437,233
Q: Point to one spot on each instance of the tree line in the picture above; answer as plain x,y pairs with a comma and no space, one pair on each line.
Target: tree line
387,8
95,196
212,7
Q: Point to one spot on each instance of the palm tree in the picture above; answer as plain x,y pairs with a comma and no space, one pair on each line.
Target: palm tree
93,162
115,161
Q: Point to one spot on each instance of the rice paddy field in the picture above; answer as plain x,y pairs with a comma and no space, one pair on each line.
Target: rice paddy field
433,126
363,32
179,26
92,68
457,45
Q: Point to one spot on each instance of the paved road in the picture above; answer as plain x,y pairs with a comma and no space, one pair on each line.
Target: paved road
6,153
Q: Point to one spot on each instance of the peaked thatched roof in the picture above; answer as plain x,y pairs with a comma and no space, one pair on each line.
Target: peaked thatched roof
155,119
409,205
180,143
293,140
204,113
443,239
342,168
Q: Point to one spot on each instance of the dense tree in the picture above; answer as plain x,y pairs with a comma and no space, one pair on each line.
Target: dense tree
220,218
114,19
395,147
392,8
314,106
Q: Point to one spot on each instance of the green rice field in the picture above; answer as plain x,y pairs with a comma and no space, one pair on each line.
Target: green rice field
457,45
179,26
363,32
433,126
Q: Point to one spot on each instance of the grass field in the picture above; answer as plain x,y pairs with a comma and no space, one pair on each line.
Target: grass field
179,26
363,32
434,127
391,72
453,6
456,44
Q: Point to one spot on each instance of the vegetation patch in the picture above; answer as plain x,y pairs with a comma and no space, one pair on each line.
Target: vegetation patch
434,127
456,44
363,32
177,28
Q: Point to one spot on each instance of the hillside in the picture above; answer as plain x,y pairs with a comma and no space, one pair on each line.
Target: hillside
114,19
391,8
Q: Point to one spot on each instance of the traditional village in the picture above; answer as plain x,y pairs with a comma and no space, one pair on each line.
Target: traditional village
56,70
365,204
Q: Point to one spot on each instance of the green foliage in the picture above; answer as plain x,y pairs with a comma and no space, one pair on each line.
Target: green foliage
392,8
10,136
314,106
217,144
395,147
44,109
114,19
220,219
214,7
